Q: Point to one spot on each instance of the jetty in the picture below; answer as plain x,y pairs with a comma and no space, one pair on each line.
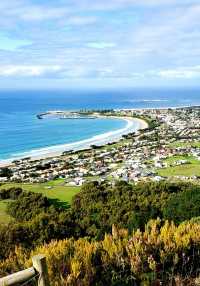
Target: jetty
65,115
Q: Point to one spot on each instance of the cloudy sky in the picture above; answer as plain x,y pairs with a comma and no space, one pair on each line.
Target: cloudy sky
71,43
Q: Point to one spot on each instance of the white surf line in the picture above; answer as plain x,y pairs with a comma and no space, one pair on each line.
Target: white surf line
133,125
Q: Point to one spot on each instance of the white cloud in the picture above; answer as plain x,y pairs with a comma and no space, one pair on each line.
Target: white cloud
28,70
37,13
82,20
101,45
25,10
76,71
181,73
105,5
77,40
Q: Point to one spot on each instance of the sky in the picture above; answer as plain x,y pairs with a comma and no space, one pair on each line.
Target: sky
99,43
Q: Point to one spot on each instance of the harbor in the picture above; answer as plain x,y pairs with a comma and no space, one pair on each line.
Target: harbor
65,115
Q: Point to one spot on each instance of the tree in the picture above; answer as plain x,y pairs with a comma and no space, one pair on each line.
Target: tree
5,172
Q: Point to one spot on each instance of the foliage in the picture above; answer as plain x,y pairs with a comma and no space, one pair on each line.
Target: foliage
162,253
5,172
42,229
4,217
27,206
184,205
55,189
37,220
83,255
11,193
97,207
93,211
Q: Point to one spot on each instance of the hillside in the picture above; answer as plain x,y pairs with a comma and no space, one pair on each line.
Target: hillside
118,234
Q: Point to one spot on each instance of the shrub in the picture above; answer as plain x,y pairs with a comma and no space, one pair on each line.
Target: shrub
162,253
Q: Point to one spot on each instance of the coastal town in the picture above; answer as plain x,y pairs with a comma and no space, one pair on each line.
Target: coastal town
168,149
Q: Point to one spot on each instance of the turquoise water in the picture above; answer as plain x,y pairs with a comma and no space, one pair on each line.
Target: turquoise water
21,131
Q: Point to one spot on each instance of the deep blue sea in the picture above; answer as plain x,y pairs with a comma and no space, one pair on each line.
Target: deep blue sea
21,131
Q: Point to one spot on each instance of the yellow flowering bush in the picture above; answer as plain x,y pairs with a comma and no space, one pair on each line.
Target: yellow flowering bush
163,252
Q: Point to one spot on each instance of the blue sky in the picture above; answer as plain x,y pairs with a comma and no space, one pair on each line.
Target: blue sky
99,43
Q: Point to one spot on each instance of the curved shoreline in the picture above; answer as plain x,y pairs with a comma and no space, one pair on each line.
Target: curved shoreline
133,125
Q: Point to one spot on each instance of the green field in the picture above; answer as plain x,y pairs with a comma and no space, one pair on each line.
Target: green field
189,158
55,190
190,169
185,144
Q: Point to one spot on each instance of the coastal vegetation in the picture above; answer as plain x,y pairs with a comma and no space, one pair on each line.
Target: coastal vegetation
132,216
152,123
55,190
111,234
4,216
161,254
5,172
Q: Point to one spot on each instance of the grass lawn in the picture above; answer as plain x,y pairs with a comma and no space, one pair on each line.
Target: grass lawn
185,144
184,170
54,189
189,158
4,217
192,169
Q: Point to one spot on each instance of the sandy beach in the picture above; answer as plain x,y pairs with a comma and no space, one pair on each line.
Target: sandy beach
133,125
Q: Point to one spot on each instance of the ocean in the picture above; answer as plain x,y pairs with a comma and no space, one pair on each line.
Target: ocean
21,132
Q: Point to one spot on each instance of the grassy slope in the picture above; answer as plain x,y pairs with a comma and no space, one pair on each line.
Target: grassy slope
54,190
185,144
192,169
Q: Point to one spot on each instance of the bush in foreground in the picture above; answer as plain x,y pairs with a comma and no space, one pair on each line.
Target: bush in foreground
161,253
